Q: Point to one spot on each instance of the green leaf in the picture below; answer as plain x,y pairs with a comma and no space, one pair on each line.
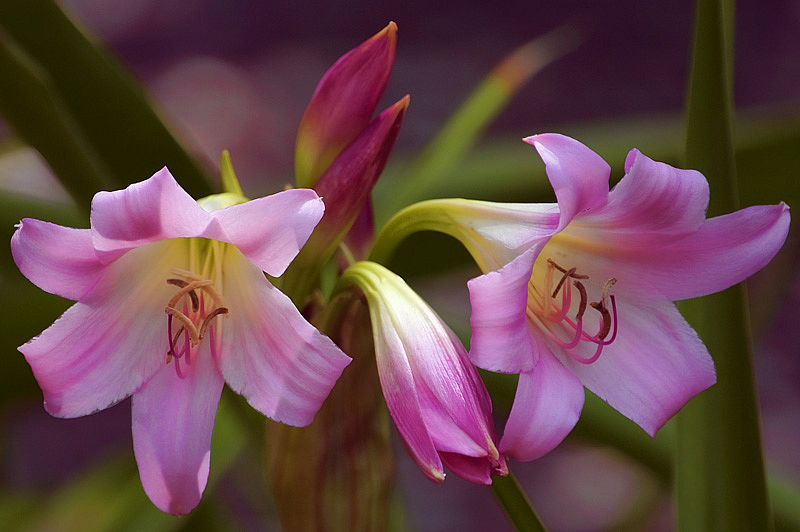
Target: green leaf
115,116
720,479
33,107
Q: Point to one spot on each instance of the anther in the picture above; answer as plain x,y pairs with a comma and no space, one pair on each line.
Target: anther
192,294
574,275
608,286
205,284
606,327
187,323
207,321
584,299
564,277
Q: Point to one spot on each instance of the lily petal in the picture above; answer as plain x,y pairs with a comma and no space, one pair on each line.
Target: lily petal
656,197
60,260
454,402
173,419
655,365
148,211
270,354
579,176
284,222
399,390
724,251
501,336
103,348
546,407
476,470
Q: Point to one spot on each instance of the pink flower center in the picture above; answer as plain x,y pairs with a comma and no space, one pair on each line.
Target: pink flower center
194,305
545,309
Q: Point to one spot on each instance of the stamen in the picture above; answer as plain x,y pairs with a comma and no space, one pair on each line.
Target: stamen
190,287
192,294
187,323
608,286
562,270
207,321
178,369
584,299
605,328
564,277
539,309
195,320
208,286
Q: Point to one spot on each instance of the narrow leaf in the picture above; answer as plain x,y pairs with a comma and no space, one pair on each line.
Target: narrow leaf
114,114
720,480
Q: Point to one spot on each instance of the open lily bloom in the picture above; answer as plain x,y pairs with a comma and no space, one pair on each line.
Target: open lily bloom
171,303
435,396
580,293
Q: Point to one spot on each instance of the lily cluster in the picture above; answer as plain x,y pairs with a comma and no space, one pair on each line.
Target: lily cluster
172,301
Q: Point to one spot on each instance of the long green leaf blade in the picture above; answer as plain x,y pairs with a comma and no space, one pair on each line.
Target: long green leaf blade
32,106
720,480
105,101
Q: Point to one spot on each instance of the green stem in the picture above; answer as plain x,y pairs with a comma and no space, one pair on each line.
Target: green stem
720,481
516,504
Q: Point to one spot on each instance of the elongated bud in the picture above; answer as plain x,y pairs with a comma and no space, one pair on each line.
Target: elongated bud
342,104
337,473
434,394
345,188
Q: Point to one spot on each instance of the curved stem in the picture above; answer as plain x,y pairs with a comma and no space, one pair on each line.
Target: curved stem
516,504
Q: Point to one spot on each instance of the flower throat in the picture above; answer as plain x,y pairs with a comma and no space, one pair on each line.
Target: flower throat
549,313
194,305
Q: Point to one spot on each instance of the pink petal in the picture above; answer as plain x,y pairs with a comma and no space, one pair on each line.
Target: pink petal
579,176
724,251
271,230
154,209
103,348
546,407
501,338
173,419
655,365
57,259
400,392
453,399
654,203
343,103
476,470
270,354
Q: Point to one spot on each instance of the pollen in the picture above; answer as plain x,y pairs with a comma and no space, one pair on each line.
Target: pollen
195,305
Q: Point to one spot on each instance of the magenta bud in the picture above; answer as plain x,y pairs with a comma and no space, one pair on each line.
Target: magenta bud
342,104
346,184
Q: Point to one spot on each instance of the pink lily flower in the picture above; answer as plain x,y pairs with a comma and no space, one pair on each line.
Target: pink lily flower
580,293
172,302
434,394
